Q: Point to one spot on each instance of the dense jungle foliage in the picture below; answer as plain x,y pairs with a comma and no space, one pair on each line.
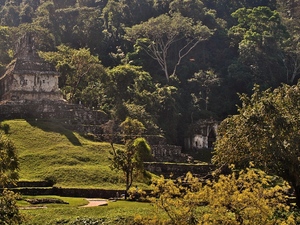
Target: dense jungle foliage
166,63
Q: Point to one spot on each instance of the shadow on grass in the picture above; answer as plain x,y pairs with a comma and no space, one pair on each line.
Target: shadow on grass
52,126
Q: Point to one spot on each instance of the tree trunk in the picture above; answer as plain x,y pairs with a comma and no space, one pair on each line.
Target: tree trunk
295,185
127,184
297,194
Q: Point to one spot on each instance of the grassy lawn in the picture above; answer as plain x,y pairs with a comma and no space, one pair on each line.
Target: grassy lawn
48,151
114,213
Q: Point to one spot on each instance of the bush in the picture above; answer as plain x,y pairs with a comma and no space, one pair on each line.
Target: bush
5,127
245,197
139,220
136,194
35,201
9,212
90,136
88,221
51,180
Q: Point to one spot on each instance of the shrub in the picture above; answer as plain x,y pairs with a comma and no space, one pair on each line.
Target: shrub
51,180
247,197
136,194
5,127
87,221
9,212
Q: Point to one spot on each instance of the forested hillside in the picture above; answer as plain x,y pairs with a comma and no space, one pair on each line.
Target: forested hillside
167,63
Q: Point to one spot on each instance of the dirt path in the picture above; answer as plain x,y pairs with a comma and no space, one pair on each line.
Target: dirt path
96,202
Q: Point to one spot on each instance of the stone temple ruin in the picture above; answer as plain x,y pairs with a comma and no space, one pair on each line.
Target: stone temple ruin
28,77
29,90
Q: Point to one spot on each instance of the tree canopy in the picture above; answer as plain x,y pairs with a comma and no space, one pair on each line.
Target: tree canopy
265,132
169,63
80,71
245,197
157,36
9,166
91,41
131,159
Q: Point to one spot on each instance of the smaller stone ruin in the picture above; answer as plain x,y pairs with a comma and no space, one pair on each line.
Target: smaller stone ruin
202,134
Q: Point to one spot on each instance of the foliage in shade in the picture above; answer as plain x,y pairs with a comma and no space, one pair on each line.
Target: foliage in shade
242,42
266,131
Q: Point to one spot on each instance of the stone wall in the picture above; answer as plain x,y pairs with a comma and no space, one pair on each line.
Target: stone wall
178,170
17,95
73,116
168,153
69,192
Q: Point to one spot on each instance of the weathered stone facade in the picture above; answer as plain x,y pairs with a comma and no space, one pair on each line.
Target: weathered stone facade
168,153
29,77
178,170
29,90
202,135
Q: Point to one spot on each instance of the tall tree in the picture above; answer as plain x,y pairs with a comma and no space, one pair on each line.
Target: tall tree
266,131
43,39
79,70
225,8
128,91
10,15
64,3
9,166
116,16
5,47
165,107
126,84
163,34
46,18
259,36
130,159
290,13
200,85
194,9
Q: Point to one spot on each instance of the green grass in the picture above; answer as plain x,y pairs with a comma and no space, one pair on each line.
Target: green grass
48,151
113,213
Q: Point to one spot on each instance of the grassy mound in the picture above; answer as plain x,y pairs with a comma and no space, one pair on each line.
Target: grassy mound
48,151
